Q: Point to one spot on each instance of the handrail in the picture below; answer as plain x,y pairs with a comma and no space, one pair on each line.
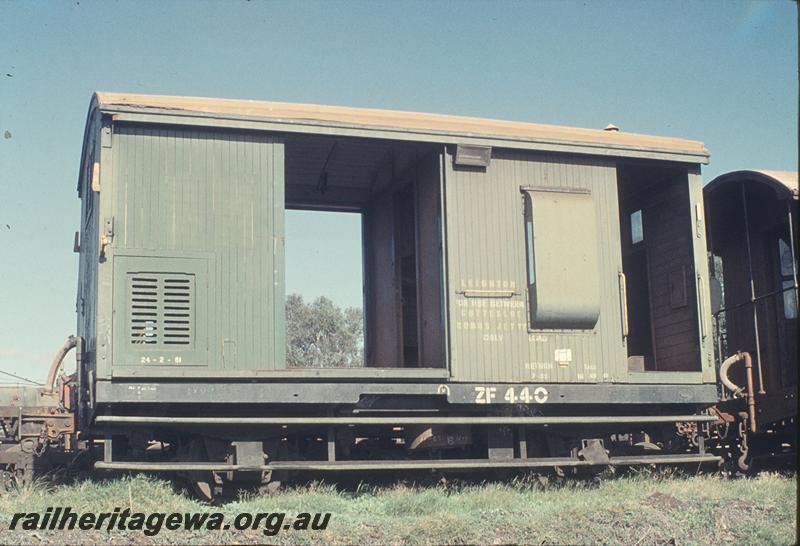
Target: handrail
702,307
754,300
623,294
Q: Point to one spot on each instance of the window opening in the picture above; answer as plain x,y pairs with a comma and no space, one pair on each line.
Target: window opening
637,231
787,280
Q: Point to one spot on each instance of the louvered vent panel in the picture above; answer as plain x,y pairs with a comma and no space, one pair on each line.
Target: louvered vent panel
161,309
144,309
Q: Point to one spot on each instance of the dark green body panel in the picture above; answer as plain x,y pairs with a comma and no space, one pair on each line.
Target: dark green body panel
202,210
490,336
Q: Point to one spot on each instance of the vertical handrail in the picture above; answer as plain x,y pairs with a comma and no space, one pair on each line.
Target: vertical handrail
623,295
752,290
701,307
791,249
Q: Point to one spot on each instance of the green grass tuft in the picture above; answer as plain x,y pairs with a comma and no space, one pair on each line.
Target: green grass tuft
643,508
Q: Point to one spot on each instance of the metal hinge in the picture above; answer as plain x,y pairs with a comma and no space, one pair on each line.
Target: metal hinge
698,220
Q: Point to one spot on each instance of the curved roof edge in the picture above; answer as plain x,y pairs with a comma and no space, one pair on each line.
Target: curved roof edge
785,183
421,124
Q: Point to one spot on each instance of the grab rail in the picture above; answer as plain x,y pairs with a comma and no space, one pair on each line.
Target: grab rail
623,294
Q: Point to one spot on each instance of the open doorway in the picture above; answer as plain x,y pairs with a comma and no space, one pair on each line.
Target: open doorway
657,260
324,289
636,267
363,229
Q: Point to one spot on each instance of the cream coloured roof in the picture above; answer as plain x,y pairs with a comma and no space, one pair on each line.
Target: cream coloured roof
414,122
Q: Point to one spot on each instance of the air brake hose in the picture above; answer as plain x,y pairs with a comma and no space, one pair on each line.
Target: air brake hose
723,374
70,343
735,389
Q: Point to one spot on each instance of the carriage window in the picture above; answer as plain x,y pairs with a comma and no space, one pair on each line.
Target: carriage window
561,247
787,280
637,230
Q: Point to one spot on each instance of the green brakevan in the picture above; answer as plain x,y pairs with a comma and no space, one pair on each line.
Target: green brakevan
523,270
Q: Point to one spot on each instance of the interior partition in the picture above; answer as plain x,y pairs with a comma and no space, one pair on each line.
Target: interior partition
404,271
657,260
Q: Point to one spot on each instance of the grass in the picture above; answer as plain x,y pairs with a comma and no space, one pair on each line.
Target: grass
649,508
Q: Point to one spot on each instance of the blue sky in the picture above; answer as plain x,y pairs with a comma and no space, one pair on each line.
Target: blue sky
721,72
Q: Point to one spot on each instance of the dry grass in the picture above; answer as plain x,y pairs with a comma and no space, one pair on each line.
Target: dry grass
639,509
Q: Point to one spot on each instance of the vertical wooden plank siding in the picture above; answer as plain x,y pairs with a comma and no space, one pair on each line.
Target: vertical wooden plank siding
219,196
490,336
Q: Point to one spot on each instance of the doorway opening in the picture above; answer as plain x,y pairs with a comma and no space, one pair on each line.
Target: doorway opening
324,289
369,212
657,261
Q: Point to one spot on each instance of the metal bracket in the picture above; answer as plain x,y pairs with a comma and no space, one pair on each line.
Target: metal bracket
487,293
105,136
108,449
698,220
468,155
501,443
331,433
249,454
108,227
594,451
108,234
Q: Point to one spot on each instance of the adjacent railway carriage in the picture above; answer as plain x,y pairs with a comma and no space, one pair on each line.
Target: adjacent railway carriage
533,295
753,243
